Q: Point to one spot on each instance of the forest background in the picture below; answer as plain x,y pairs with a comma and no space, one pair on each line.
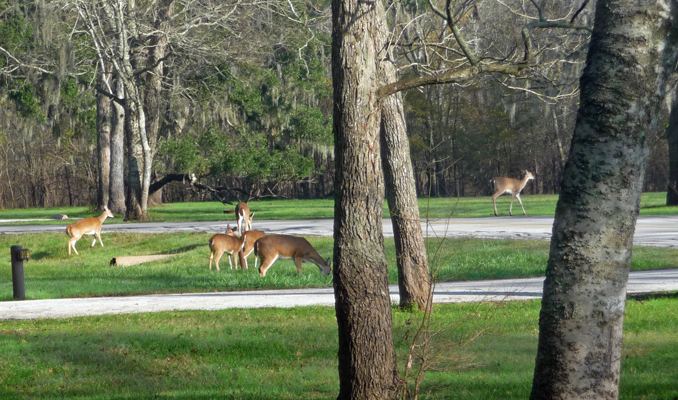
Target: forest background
239,95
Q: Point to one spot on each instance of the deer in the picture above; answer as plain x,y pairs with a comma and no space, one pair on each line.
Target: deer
243,217
225,242
250,237
511,186
271,247
87,226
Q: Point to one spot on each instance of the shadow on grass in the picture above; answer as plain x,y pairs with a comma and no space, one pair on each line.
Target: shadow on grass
652,296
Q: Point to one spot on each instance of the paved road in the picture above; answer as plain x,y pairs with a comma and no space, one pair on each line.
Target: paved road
652,231
446,292
661,231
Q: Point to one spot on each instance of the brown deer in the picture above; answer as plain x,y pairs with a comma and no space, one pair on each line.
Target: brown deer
87,226
510,186
225,242
271,247
250,237
243,217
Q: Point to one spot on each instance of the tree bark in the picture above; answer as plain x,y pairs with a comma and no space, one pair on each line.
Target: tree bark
367,363
117,182
414,279
672,138
580,335
104,139
154,76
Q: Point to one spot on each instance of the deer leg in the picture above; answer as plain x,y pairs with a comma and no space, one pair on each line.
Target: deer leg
513,197
71,243
216,260
211,258
98,236
229,261
243,259
521,204
297,262
494,202
265,265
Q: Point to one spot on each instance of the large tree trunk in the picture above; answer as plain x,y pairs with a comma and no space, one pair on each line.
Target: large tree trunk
414,279
136,207
117,183
580,335
104,139
153,89
367,363
672,137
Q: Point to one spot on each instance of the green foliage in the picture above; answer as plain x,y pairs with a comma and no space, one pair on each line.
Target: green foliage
16,34
253,160
310,123
26,99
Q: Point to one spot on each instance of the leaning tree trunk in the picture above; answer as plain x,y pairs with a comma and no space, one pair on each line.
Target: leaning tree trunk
367,363
414,279
117,182
153,88
137,202
104,139
672,137
580,325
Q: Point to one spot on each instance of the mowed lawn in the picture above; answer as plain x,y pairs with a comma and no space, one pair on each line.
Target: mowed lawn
447,207
51,273
292,353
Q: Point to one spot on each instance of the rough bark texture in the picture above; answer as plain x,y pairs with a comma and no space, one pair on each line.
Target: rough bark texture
153,103
117,183
104,142
414,279
367,364
672,137
135,160
580,338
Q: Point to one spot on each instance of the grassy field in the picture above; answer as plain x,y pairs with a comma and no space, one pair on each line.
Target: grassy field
463,207
51,273
291,354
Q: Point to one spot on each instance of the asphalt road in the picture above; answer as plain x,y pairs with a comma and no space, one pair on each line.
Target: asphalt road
651,231
445,292
661,231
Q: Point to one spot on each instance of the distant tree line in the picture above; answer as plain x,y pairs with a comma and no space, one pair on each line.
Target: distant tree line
241,96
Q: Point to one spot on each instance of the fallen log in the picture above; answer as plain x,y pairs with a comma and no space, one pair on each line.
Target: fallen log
126,261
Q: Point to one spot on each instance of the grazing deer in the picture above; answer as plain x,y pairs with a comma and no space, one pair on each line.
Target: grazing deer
271,247
243,217
87,226
228,243
511,186
250,237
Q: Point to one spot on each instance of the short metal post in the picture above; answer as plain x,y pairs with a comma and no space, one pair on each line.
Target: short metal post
18,273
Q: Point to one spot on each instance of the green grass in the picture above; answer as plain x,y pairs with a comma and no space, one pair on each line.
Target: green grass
291,353
463,207
51,273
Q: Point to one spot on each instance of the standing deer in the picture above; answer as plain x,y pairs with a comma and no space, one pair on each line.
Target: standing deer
271,247
243,217
512,186
249,238
87,226
228,243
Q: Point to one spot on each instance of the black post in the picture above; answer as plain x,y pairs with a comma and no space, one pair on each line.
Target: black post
18,273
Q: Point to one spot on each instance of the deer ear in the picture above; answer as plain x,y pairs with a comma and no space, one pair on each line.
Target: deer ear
251,215
329,262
